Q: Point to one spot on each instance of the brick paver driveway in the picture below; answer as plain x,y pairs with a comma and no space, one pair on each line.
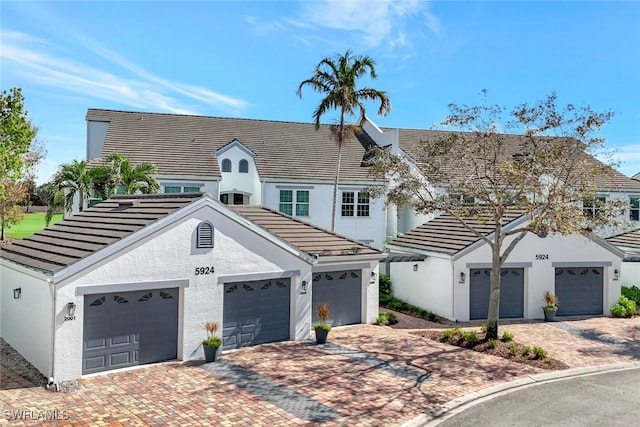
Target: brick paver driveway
365,375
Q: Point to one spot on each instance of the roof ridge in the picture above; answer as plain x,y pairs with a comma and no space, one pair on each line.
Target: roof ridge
202,116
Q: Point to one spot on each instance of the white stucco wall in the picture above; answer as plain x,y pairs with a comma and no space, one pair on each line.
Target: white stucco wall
169,254
428,288
206,183
540,276
236,182
25,323
370,229
630,274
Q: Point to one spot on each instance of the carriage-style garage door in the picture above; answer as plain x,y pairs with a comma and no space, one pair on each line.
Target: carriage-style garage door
255,312
129,328
342,291
579,290
511,293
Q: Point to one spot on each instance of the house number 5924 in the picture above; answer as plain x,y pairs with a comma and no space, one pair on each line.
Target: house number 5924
542,256
204,270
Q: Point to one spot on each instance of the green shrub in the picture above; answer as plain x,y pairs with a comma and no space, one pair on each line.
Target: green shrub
387,318
448,333
393,303
507,336
384,284
632,292
539,352
618,311
628,304
513,348
385,299
625,307
493,343
483,327
526,350
470,337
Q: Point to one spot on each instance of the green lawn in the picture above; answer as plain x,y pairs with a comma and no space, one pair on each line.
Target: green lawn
31,223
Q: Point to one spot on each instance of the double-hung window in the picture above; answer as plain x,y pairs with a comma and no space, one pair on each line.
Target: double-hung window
294,202
634,209
355,203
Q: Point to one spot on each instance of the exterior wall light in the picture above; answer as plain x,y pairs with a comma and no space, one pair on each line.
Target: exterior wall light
415,267
17,293
616,274
304,286
463,277
71,311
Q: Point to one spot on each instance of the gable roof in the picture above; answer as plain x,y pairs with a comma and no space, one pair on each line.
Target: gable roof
626,241
445,234
186,145
409,142
308,238
67,242
73,239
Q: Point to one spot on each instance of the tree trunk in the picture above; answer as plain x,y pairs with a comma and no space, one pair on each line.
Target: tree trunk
494,294
335,188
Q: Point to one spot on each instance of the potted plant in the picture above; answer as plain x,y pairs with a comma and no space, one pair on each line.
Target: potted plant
212,343
322,328
550,306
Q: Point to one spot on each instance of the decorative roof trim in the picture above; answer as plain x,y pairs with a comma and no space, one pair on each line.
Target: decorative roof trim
235,144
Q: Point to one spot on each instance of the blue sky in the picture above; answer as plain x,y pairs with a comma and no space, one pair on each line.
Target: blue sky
246,59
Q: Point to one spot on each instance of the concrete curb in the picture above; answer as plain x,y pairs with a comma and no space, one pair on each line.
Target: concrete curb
455,406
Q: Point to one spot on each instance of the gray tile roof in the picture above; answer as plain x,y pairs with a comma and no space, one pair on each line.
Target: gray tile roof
626,240
447,235
67,242
304,236
409,140
62,244
186,145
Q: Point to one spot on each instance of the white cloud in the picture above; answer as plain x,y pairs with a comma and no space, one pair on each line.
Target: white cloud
378,23
29,57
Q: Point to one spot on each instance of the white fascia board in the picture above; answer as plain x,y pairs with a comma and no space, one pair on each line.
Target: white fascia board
235,144
606,245
415,251
33,272
345,259
165,222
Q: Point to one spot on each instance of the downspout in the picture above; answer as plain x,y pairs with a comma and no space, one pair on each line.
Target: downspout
52,385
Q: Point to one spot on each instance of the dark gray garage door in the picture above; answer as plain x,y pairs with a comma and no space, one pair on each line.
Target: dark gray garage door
342,290
255,313
129,328
511,293
579,290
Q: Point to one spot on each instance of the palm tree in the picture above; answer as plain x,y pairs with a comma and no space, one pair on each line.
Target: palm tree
140,178
72,179
336,79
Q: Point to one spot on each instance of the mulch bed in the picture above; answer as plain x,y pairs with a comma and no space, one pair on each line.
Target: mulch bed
510,350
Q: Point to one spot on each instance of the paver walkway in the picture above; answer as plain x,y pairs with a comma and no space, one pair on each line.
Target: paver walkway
367,376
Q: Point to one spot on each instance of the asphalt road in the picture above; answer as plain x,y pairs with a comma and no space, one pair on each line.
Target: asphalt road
605,399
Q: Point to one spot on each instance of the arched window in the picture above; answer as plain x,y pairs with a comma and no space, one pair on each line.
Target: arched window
243,166
204,235
226,165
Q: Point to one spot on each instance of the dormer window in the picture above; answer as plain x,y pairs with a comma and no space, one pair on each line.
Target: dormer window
243,166
226,165
204,235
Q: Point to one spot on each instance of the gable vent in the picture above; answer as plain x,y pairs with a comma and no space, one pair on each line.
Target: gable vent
205,235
